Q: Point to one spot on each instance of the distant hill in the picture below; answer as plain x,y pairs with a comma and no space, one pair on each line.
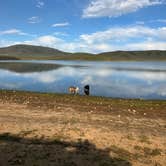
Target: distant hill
135,55
28,50
45,53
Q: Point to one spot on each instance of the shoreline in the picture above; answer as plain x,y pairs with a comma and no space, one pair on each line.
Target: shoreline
96,103
79,95
80,59
61,129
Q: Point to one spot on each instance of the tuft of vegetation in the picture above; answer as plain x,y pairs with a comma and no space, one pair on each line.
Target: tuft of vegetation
130,137
122,153
151,152
144,139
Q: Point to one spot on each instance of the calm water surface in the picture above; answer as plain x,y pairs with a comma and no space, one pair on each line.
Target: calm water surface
111,79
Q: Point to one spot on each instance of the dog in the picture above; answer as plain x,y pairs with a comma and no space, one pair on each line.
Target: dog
73,90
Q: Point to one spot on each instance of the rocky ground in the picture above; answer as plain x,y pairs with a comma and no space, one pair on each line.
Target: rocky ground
66,130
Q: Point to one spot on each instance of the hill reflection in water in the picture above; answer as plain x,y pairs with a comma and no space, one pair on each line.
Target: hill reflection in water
122,80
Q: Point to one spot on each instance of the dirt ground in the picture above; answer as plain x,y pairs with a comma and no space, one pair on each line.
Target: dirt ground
65,130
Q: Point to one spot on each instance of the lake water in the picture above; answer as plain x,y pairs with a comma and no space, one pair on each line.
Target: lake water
146,80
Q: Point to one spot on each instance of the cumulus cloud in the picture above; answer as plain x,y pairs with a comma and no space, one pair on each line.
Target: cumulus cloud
61,24
34,20
5,43
147,45
122,38
117,38
119,33
46,40
12,32
115,8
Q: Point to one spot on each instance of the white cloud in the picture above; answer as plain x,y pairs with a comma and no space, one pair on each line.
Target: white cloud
39,4
5,43
61,24
34,20
112,39
125,33
43,77
115,8
140,22
46,40
60,34
149,76
162,20
148,45
158,20
12,32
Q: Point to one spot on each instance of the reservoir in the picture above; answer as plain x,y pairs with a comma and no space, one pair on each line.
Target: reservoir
144,80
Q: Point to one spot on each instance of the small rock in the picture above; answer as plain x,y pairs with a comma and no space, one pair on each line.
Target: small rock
134,111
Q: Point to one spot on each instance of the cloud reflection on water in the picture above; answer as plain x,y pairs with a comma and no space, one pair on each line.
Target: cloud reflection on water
103,81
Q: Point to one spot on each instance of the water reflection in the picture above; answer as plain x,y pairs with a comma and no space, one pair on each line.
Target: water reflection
105,79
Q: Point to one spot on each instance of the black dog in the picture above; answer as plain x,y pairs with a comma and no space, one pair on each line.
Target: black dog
87,90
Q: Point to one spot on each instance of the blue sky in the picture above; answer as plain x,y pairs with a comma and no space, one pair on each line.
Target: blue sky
84,25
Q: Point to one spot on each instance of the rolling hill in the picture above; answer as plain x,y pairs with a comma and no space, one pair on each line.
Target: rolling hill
30,52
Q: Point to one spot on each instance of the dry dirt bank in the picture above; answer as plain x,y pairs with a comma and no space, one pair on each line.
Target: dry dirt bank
63,130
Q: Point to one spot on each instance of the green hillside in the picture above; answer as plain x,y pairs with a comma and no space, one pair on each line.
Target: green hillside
30,52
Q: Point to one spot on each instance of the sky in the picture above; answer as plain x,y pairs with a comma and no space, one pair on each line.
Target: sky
93,26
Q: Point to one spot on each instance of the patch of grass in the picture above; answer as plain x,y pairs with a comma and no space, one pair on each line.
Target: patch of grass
156,152
144,139
73,120
151,152
122,153
59,137
27,132
70,121
130,137
136,147
148,151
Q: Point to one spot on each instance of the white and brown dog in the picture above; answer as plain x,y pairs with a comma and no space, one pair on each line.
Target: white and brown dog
73,90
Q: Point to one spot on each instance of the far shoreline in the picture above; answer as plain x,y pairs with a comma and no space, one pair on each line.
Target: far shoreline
91,59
